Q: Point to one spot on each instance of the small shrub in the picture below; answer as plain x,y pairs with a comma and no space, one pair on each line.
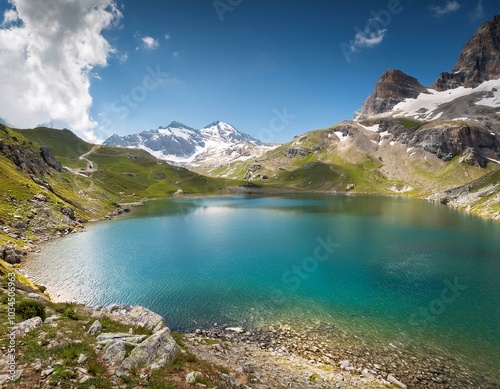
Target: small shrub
67,310
30,308
70,313
94,367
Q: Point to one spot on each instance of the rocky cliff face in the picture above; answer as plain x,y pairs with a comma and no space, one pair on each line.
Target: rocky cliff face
393,87
446,140
479,60
24,156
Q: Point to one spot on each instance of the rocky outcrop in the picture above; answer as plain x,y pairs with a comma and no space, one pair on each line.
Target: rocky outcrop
447,140
26,326
114,353
10,255
133,316
25,156
155,352
297,152
393,87
479,60
50,159
111,337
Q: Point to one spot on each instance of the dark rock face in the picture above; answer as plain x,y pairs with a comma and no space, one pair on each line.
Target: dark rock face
393,87
26,158
67,211
479,60
50,159
297,151
447,140
11,256
450,140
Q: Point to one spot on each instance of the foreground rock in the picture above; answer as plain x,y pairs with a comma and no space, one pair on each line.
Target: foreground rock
132,316
154,353
29,325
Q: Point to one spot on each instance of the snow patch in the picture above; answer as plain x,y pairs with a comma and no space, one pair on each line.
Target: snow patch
425,105
492,101
373,128
340,136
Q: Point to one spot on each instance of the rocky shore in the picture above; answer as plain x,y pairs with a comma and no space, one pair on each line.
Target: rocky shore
283,356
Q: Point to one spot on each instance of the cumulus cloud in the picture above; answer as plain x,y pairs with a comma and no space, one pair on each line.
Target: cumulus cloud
449,7
167,36
47,61
10,16
150,43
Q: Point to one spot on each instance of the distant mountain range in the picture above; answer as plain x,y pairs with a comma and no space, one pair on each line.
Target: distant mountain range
217,144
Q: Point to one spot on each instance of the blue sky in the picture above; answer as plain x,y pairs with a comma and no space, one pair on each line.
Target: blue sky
252,63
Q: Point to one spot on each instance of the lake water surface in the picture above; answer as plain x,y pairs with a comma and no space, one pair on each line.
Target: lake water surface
383,268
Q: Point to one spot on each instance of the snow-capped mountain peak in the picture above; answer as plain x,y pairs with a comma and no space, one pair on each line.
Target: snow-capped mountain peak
227,133
215,144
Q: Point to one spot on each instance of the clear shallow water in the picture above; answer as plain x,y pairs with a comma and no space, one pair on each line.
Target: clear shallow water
383,271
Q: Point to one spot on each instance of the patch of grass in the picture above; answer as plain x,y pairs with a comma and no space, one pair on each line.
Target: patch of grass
61,373
94,367
410,124
179,338
109,325
67,310
69,352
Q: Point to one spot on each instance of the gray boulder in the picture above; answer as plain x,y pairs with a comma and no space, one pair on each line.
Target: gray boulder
120,336
95,328
154,353
11,255
114,352
193,377
26,326
135,316
35,296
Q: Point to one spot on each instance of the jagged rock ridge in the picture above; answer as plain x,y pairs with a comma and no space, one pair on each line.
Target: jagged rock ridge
393,87
479,60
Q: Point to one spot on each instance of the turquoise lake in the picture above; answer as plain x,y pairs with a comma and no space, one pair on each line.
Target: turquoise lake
386,269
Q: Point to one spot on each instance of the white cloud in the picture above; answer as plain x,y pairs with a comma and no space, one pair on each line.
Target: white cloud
150,43
47,61
478,13
369,38
10,16
175,54
167,36
123,57
450,6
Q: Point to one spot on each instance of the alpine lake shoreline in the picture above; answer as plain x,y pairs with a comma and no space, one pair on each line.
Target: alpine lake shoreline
319,355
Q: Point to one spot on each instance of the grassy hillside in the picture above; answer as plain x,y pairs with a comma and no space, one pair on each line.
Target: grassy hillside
133,173
66,145
349,156
23,176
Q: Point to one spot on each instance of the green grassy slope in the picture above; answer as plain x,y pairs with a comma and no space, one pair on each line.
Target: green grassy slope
127,172
66,145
